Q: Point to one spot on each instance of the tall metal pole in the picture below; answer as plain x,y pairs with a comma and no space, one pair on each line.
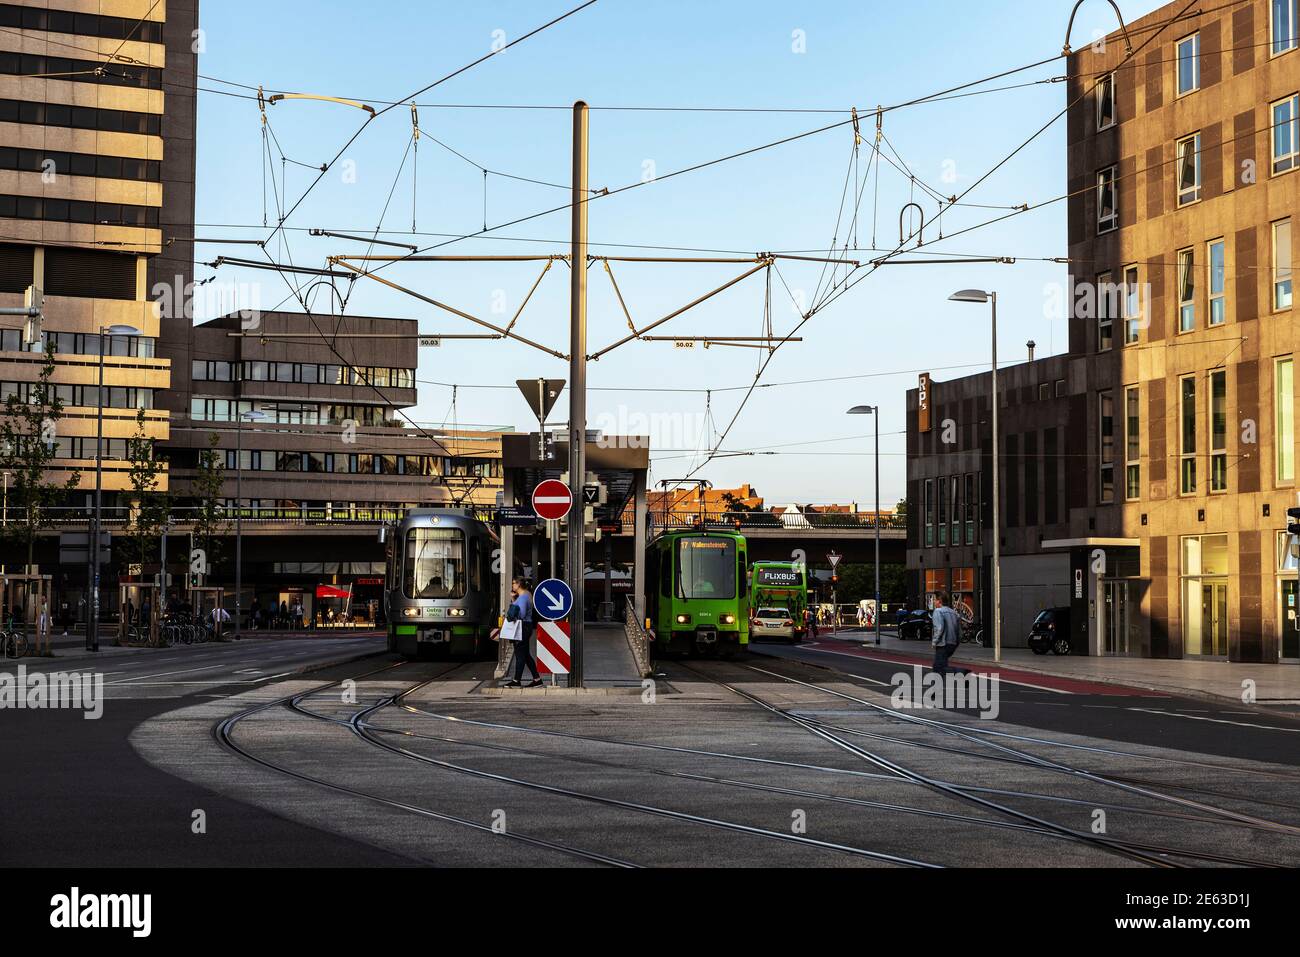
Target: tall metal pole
997,498
92,600
578,389
239,513
878,605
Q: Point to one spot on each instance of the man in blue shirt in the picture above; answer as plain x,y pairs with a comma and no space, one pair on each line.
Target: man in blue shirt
947,634
521,610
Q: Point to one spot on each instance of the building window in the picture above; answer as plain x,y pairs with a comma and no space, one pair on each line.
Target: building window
1219,431
1132,443
1186,290
972,509
1106,102
1282,265
1189,64
943,512
929,513
1106,300
1284,22
1205,595
1286,134
1132,305
1187,407
956,515
1106,434
1284,412
1218,266
1189,169
1107,200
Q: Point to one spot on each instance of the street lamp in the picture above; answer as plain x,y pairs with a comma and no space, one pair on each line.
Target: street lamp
252,415
875,411
92,576
977,295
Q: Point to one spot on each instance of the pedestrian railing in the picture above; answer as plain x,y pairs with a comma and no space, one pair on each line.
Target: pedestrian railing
797,521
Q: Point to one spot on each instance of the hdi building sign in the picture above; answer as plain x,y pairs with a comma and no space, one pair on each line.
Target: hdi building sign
923,409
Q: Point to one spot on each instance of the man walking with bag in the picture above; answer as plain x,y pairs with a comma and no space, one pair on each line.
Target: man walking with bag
519,628
947,634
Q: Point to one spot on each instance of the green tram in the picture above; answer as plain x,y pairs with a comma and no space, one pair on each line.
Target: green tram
697,591
782,585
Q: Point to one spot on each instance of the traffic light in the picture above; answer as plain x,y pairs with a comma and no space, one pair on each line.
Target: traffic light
194,580
1293,515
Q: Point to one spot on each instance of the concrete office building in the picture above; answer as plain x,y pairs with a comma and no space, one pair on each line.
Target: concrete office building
97,111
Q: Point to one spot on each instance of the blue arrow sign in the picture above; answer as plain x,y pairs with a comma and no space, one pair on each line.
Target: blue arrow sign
553,600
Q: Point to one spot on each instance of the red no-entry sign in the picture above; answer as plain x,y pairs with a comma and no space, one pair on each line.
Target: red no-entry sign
552,500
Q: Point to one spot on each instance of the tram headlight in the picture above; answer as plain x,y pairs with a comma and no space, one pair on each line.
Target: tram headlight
683,619
728,619
456,613
410,613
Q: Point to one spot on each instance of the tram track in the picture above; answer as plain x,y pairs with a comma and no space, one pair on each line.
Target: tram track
224,730
360,726
1138,851
959,731
794,766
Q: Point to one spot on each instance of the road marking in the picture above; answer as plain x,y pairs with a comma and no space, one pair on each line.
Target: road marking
1239,724
849,654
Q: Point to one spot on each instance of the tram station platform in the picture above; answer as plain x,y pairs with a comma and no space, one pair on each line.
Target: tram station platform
608,661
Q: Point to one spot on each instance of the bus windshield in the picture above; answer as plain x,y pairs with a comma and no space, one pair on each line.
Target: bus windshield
706,568
435,563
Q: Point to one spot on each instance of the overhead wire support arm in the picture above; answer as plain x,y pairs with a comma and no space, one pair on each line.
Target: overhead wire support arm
361,273
528,298
673,315
272,100
363,239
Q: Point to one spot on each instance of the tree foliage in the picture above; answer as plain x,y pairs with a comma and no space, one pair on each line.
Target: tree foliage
28,452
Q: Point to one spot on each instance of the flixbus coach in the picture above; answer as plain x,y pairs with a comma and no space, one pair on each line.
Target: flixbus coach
697,593
782,585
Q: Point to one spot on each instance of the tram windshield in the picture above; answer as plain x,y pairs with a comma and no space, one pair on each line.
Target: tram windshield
706,568
435,563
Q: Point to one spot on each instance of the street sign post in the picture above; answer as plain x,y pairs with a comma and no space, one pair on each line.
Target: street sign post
516,515
554,656
552,500
553,599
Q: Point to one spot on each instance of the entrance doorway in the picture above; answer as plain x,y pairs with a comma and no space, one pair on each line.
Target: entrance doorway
1214,619
1291,620
1117,619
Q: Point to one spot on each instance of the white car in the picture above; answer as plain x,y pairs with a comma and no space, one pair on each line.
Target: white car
773,623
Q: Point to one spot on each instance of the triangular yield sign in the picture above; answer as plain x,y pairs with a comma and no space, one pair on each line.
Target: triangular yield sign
541,395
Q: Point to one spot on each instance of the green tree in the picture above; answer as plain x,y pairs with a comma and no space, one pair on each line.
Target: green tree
735,505
28,450
152,506
210,522
858,582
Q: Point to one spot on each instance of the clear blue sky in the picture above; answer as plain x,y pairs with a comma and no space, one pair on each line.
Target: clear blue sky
666,54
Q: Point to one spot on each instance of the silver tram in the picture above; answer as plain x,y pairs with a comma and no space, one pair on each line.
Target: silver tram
442,593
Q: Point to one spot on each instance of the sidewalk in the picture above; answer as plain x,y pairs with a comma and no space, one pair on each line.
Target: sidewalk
1220,680
73,644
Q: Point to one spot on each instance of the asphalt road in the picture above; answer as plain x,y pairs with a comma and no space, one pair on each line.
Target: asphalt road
1137,717
77,794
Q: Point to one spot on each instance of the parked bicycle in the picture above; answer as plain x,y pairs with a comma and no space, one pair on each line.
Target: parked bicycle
13,643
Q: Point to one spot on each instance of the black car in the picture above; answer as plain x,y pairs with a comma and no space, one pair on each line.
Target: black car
1051,632
915,626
